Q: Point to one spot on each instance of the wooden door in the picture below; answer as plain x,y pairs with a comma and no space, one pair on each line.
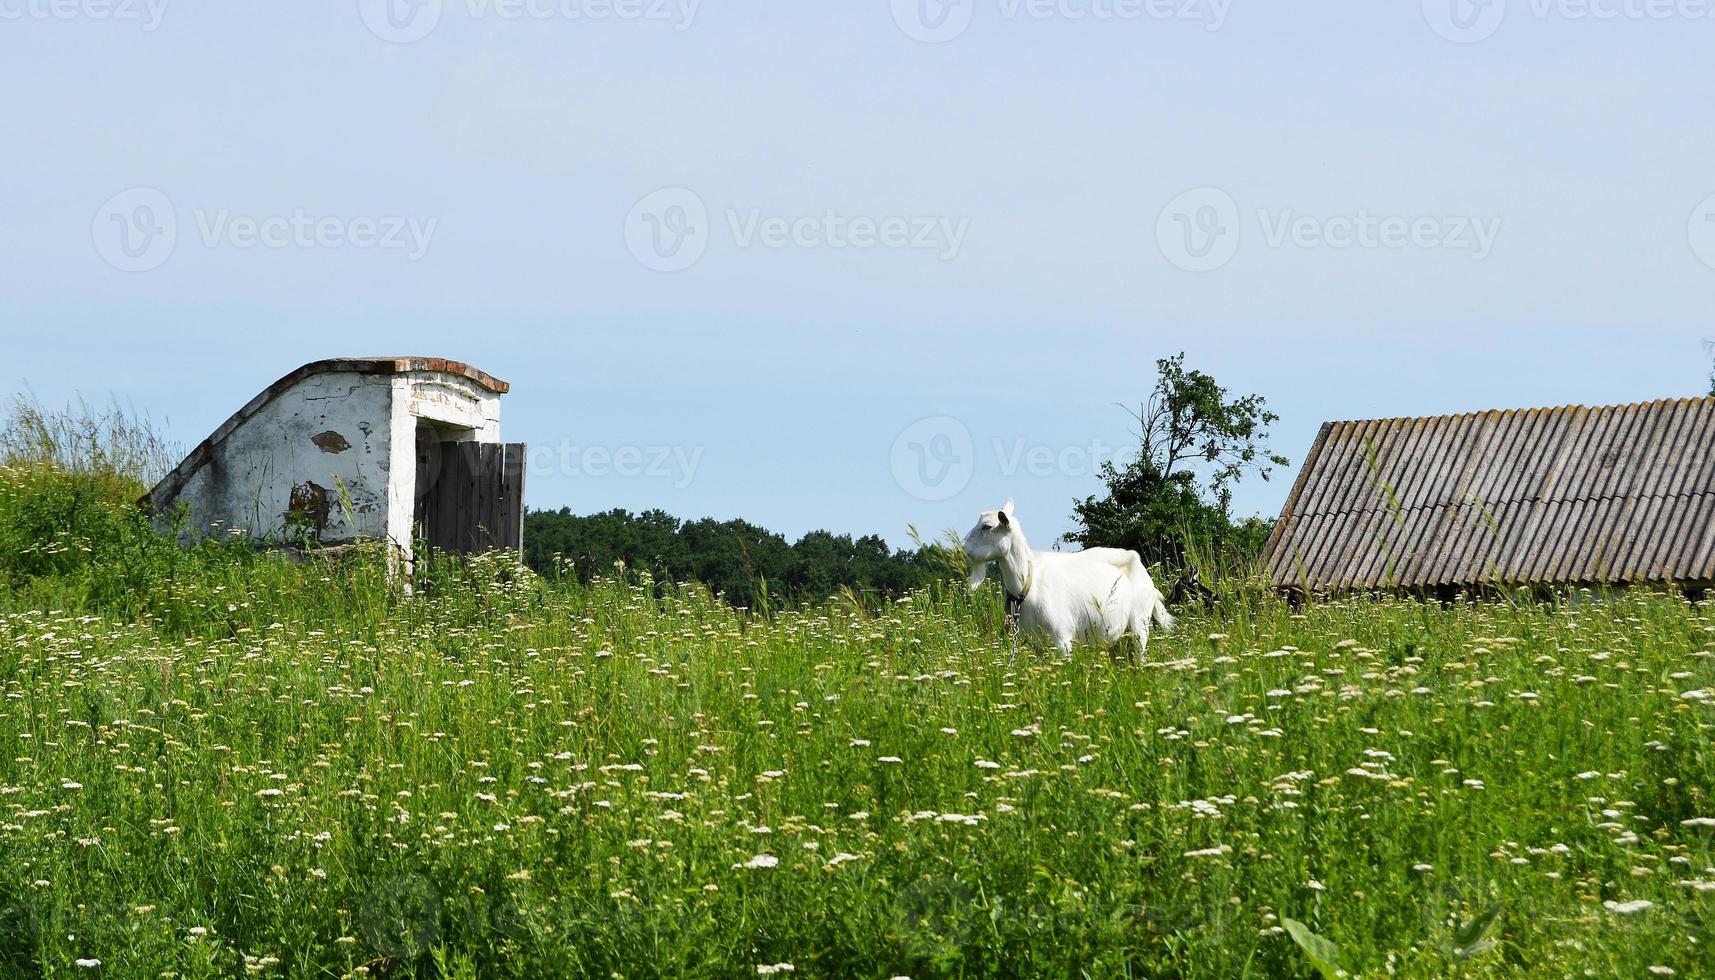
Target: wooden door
475,497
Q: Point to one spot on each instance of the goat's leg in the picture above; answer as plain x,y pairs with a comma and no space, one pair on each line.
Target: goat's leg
1140,629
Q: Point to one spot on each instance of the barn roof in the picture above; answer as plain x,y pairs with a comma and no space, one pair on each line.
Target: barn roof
1552,496
392,365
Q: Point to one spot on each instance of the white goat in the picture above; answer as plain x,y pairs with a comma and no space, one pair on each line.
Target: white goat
1097,595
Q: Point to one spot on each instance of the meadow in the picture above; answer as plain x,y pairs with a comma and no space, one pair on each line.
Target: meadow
220,763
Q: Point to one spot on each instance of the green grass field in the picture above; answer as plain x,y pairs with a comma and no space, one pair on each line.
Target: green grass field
220,764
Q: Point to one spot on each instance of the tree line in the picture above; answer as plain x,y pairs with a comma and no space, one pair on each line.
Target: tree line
737,558
1171,503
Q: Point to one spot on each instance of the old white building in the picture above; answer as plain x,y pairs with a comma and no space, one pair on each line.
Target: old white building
389,448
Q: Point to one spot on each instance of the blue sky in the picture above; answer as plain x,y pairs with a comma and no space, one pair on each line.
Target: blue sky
905,278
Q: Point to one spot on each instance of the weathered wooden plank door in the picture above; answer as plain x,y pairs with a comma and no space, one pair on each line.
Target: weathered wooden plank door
475,501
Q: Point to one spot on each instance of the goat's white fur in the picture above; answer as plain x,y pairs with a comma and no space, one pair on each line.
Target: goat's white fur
1098,595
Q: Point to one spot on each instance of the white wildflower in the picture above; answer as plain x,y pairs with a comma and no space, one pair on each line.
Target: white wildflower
1632,907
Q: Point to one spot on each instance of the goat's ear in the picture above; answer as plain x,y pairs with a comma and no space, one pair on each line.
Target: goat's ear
1003,517
1006,508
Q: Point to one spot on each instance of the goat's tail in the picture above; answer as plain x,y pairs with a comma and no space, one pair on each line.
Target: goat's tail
1130,564
1159,613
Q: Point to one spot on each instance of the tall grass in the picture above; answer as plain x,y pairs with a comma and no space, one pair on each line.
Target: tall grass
119,448
251,766
73,536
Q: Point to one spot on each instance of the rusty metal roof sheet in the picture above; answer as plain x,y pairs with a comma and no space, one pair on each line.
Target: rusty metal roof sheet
1569,495
396,365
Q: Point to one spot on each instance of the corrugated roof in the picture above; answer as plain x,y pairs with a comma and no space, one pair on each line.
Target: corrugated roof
1560,495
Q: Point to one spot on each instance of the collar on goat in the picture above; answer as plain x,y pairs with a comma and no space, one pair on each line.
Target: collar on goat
1014,616
1024,591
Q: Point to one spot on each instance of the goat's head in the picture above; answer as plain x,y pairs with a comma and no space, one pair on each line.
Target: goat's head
990,540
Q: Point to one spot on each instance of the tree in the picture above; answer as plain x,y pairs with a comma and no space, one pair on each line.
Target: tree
1709,348
1189,420
1195,442
649,541
821,563
735,558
